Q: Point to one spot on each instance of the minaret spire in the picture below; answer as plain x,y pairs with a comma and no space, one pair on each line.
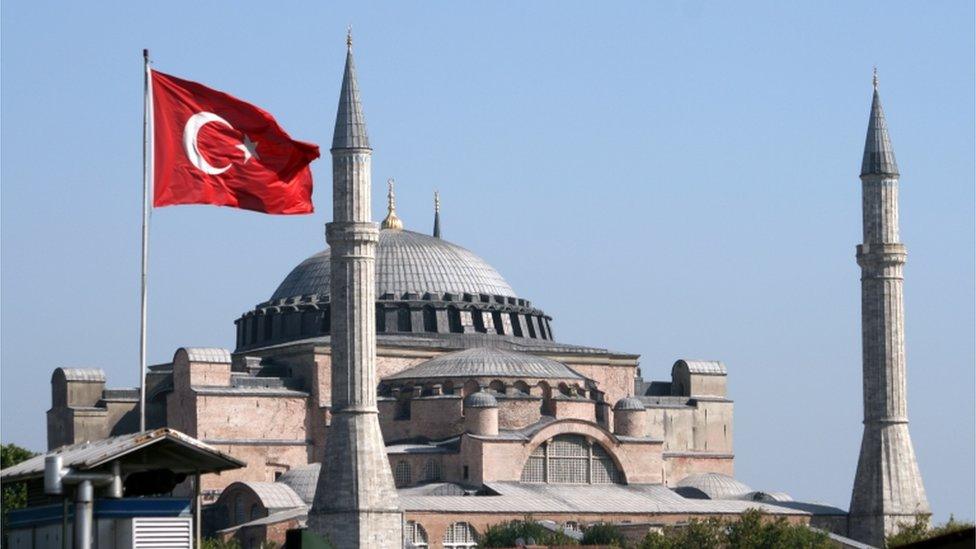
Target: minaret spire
356,503
437,214
879,156
391,221
888,487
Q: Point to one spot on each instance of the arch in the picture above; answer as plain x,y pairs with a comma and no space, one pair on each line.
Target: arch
402,475
571,459
448,387
414,535
497,386
430,319
564,389
460,535
470,386
522,387
255,512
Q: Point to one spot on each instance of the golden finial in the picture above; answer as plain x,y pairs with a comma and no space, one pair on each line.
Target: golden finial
875,79
391,221
349,37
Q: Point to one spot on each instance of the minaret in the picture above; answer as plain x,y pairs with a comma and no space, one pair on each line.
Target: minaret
355,501
437,214
887,487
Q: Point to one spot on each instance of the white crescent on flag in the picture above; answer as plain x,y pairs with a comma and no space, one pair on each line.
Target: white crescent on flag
192,150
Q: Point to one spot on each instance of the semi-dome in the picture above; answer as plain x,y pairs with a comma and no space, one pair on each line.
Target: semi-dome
406,262
303,480
487,362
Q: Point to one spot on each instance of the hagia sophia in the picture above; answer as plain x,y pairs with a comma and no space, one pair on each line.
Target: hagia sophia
485,414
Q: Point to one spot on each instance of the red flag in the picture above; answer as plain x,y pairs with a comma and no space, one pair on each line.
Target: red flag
211,148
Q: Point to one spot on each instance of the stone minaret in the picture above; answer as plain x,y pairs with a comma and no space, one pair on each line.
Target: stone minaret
355,500
887,487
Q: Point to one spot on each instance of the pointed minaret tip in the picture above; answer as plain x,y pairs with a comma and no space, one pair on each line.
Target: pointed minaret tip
392,221
437,214
350,126
879,156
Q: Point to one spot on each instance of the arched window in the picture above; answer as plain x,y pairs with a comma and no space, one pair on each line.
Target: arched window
497,387
414,536
432,470
522,387
478,321
401,474
548,409
460,535
530,324
454,320
430,319
496,319
448,387
570,459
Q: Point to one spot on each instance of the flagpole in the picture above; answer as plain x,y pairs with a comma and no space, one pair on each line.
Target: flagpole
145,239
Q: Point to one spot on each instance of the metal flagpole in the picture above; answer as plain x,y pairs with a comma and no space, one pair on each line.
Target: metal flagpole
146,113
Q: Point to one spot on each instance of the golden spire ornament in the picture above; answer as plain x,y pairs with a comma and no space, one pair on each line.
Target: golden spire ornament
392,221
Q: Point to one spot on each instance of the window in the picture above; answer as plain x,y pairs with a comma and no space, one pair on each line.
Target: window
454,320
530,324
496,318
497,386
522,387
465,472
255,511
432,470
460,535
516,326
570,459
326,326
268,331
478,321
403,319
414,535
380,318
401,474
430,319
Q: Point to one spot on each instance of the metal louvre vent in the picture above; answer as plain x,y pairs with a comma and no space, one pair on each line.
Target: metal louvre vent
162,533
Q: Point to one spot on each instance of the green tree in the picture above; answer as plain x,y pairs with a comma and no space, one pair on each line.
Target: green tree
505,534
604,534
752,530
15,494
911,532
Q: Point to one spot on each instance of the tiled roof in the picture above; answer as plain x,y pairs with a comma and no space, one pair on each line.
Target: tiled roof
488,362
84,456
406,262
275,495
708,367
83,374
213,355
521,498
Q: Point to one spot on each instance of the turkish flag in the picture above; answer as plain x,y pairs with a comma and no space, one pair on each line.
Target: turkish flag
212,148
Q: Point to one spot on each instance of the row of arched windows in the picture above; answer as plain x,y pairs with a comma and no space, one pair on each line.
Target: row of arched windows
403,472
262,328
459,535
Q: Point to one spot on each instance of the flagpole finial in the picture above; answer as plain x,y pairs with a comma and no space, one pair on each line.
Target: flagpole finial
875,78
349,37
391,221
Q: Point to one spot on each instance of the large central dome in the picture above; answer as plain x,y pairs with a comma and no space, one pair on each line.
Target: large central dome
406,262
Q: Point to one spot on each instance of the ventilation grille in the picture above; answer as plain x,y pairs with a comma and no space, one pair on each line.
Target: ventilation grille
162,533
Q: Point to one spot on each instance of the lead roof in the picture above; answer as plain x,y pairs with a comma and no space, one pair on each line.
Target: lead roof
350,126
406,261
879,156
488,362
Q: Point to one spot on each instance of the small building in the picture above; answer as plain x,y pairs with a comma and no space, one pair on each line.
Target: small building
121,489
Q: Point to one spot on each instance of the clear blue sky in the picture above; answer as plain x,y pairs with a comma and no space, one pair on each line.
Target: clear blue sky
675,179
